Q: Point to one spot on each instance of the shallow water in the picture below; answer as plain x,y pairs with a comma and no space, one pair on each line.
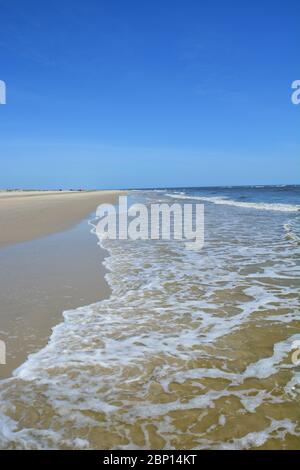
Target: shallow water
191,350
41,278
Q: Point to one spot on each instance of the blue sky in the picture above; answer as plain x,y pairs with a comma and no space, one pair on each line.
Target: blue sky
158,93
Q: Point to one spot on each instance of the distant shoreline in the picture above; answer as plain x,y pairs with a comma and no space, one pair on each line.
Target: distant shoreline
27,215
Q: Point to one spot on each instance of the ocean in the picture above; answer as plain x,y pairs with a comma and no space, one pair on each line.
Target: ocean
192,350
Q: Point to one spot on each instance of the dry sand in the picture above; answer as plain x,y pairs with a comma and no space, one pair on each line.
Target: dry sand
25,215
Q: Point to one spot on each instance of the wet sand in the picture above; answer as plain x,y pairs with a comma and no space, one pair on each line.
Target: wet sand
42,277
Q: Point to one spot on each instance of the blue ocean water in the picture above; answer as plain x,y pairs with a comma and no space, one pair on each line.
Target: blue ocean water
280,194
276,196
282,202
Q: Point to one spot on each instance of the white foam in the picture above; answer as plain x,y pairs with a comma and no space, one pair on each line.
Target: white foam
278,429
290,231
247,205
166,315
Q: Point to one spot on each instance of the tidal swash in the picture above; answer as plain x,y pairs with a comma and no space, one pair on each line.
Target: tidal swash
192,350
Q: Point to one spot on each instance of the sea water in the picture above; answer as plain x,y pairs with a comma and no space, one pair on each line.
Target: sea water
192,350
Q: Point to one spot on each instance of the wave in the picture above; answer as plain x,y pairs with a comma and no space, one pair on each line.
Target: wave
247,205
290,231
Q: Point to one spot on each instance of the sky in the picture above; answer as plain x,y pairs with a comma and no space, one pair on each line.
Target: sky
160,93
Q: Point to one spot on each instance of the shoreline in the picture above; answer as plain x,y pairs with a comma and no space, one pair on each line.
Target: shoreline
29,215
44,276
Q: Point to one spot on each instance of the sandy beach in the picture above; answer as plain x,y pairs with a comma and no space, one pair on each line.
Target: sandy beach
175,349
26,215
50,262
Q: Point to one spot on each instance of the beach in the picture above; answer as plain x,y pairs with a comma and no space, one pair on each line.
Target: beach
186,349
26,215
152,321
50,262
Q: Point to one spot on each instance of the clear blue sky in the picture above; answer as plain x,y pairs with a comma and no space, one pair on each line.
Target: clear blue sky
140,93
